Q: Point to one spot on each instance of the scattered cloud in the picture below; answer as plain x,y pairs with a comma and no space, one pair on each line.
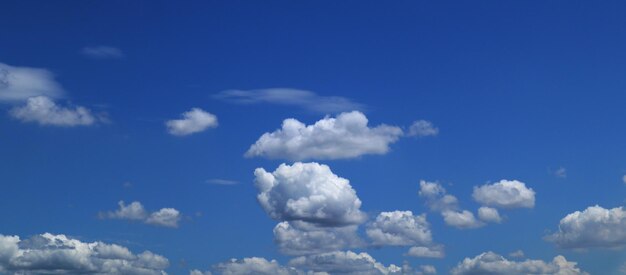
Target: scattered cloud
347,136
20,83
560,173
436,251
102,52
308,192
505,194
340,262
461,219
194,121
252,265
624,179
517,254
492,263
423,128
44,111
302,238
59,254
595,227
427,270
293,97
222,181
489,214
135,211
399,228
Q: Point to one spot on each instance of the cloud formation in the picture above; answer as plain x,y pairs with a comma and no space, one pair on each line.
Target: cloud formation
438,200
20,83
194,121
347,136
492,263
399,228
595,227
347,262
43,110
102,52
489,214
423,128
253,265
166,217
308,192
461,219
302,238
294,97
505,194
435,251
59,254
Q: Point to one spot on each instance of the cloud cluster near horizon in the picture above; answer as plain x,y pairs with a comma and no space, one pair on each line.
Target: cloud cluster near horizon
135,211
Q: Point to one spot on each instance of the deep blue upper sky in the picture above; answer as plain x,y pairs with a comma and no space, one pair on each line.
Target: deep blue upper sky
517,89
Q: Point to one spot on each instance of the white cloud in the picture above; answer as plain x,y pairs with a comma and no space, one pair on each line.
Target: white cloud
102,52
166,217
340,262
198,272
347,136
593,227
423,128
21,83
308,192
59,254
489,214
44,111
517,254
253,265
427,270
400,228
301,238
436,197
461,219
624,179
491,263
505,194
436,251
285,96
194,121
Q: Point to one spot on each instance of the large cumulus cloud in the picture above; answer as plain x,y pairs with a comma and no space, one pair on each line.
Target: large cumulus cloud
59,254
594,227
308,192
346,136
300,238
493,264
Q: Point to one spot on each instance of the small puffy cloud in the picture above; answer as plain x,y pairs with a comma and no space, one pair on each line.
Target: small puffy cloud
285,96
436,251
436,197
461,219
489,214
308,192
194,121
517,254
102,52
347,136
198,272
624,179
492,263
59,254
423,128
43,110
595,227
301,238
166,217
505,194
427,270
400,228
253,265
340,262
20,83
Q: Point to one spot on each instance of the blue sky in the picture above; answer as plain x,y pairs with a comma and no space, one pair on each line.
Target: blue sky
525,99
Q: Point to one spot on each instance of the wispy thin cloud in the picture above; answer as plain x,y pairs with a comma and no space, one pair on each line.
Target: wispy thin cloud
291,97
222,182
102,52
